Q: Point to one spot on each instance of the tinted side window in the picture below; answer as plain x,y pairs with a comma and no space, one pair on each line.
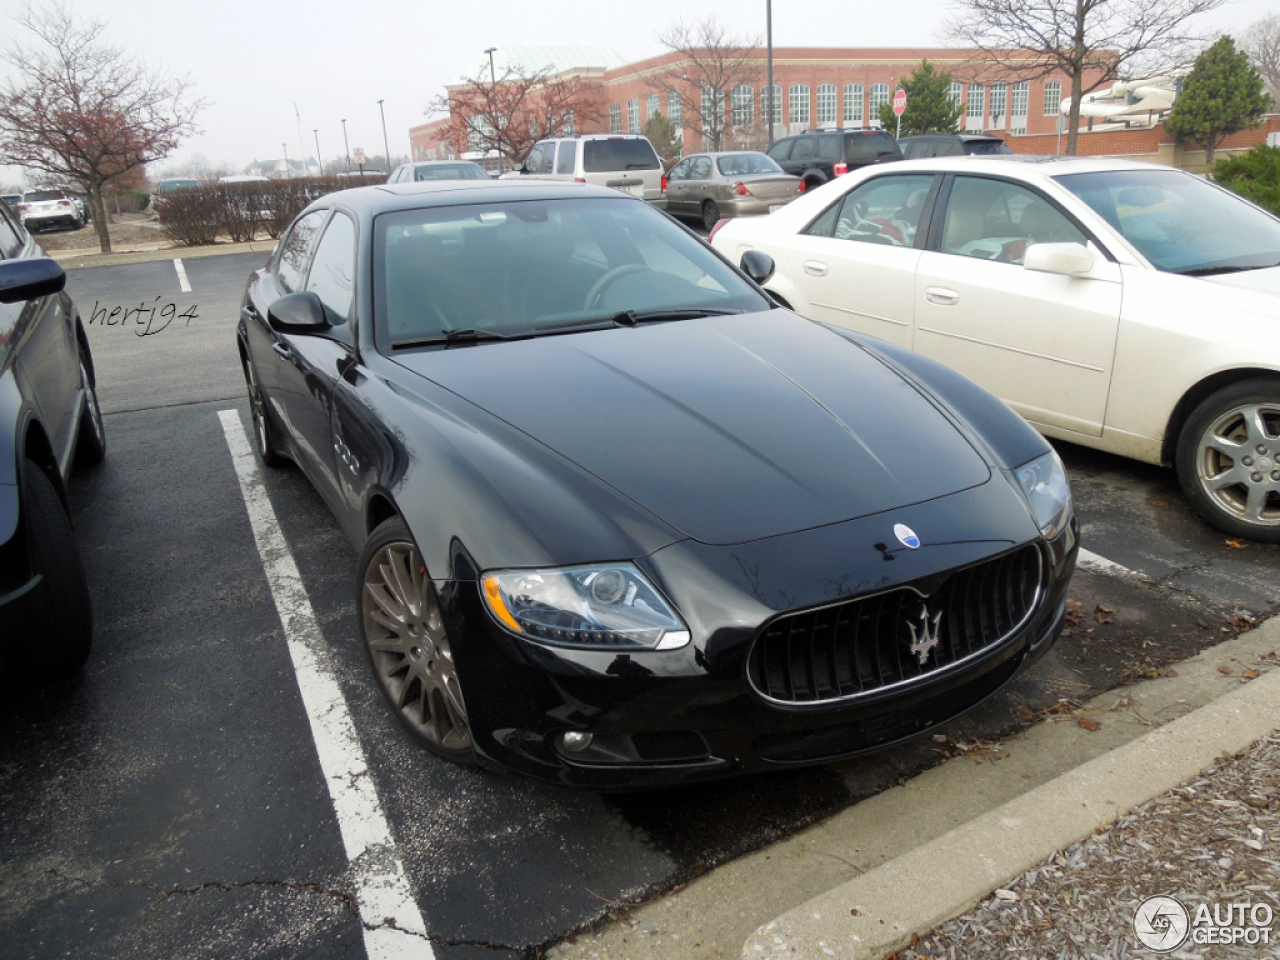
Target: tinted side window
701,169
10,234
825,224
295,249
869,147
803,149
565,156
885,210
539,158
681,170
780,149
333,270
829,147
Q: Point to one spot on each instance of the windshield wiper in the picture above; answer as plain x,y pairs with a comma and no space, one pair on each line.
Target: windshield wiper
465,335
1226,268
630,318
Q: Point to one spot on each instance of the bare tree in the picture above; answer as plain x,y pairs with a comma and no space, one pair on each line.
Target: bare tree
511,111
1092,41
1262,43
711,62
76,109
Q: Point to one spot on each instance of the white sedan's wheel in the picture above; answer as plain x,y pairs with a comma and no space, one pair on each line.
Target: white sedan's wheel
1228,459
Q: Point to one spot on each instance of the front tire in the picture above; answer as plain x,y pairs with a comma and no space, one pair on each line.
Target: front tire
408,645
63,632
1228,459
261,425
91,443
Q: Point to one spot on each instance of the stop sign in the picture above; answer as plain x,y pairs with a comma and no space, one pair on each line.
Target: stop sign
899,102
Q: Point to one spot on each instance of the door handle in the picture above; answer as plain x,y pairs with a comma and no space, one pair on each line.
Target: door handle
815,269
941,296
283,350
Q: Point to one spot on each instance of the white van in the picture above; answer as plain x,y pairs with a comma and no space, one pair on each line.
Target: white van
624,161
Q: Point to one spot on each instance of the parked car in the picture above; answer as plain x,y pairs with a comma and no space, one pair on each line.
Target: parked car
11,199
925,145
167,187
621,522
46,209
822,155
714,185
1124,306
49,420
438,170
624,161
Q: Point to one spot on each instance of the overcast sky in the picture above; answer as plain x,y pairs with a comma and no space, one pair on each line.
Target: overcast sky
253,60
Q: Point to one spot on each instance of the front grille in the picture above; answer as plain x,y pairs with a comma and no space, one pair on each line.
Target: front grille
865,645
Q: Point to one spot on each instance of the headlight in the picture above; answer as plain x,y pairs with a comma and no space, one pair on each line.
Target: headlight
611,606
1044,482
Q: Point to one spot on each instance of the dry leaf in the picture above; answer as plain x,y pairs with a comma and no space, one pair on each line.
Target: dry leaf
1089,723
1162,504
1251,674
1104,614
1167,672
1226,671
1024,714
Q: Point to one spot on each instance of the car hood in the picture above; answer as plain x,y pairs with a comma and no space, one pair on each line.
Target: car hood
1267,280
730,429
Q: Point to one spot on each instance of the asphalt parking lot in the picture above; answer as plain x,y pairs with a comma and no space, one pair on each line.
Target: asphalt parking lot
170,802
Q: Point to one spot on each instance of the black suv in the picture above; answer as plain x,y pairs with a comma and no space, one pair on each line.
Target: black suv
926,145
820,155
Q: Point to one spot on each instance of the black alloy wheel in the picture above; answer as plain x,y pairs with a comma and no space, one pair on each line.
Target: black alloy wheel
261,425
710,213
91,443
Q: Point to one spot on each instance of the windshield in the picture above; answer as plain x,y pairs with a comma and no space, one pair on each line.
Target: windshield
742,164
168,186
1180,223
541,266
621,153
450,171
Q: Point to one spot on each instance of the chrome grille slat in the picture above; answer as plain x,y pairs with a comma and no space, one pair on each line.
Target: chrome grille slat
862,646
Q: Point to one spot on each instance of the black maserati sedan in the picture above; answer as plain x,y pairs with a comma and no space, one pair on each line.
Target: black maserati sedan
49,421
623,523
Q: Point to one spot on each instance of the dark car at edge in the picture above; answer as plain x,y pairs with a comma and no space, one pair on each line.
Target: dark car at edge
622,522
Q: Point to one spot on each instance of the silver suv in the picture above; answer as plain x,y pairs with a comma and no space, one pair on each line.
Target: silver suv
624,161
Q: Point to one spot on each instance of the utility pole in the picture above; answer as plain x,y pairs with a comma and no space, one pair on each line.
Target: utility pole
386,149
318,159
768,29
287,171
493,80
346,146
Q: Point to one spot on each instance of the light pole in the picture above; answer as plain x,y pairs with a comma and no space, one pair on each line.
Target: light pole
493,79
768,29
346,146
385,147
318,160
287,171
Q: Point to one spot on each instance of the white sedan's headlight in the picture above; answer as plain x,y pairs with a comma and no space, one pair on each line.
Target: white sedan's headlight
1044,482
611,606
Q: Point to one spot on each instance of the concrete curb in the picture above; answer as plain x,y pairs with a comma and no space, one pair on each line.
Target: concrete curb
80,259
876,913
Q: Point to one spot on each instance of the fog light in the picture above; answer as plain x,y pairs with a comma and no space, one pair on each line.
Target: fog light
575,741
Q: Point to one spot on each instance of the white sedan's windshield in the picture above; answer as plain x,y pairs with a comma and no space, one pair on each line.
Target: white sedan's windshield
1179,222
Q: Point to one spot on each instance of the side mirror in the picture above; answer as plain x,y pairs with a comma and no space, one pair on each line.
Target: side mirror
758,266
296,313
1068,259
29,279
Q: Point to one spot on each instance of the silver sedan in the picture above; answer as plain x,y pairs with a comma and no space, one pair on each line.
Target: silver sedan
710,186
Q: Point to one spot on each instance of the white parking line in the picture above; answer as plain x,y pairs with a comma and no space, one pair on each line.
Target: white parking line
183,282
393,925
1091,561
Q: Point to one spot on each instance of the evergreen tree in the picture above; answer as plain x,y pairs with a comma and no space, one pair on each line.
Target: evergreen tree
664,137
930,108
1222,95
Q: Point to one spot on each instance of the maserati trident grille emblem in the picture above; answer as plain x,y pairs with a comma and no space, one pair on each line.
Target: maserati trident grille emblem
925,633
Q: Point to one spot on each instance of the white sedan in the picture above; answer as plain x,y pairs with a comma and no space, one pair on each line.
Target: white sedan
1124,306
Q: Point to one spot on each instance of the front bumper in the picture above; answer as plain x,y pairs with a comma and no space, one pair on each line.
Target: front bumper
659,719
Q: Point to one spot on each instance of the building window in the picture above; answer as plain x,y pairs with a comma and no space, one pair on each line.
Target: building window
853,105
675,110
798,108
977,105
652,105
1021,96
712,110
777,106
827,105
744,113
998,98
570,125
1052,98
633,116
615,118
879,97
956,93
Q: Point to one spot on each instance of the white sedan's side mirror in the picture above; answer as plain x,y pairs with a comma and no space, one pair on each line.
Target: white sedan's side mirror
1069,259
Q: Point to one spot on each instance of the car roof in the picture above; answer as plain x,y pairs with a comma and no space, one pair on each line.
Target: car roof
387,197
440,163
1024,165
962,137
